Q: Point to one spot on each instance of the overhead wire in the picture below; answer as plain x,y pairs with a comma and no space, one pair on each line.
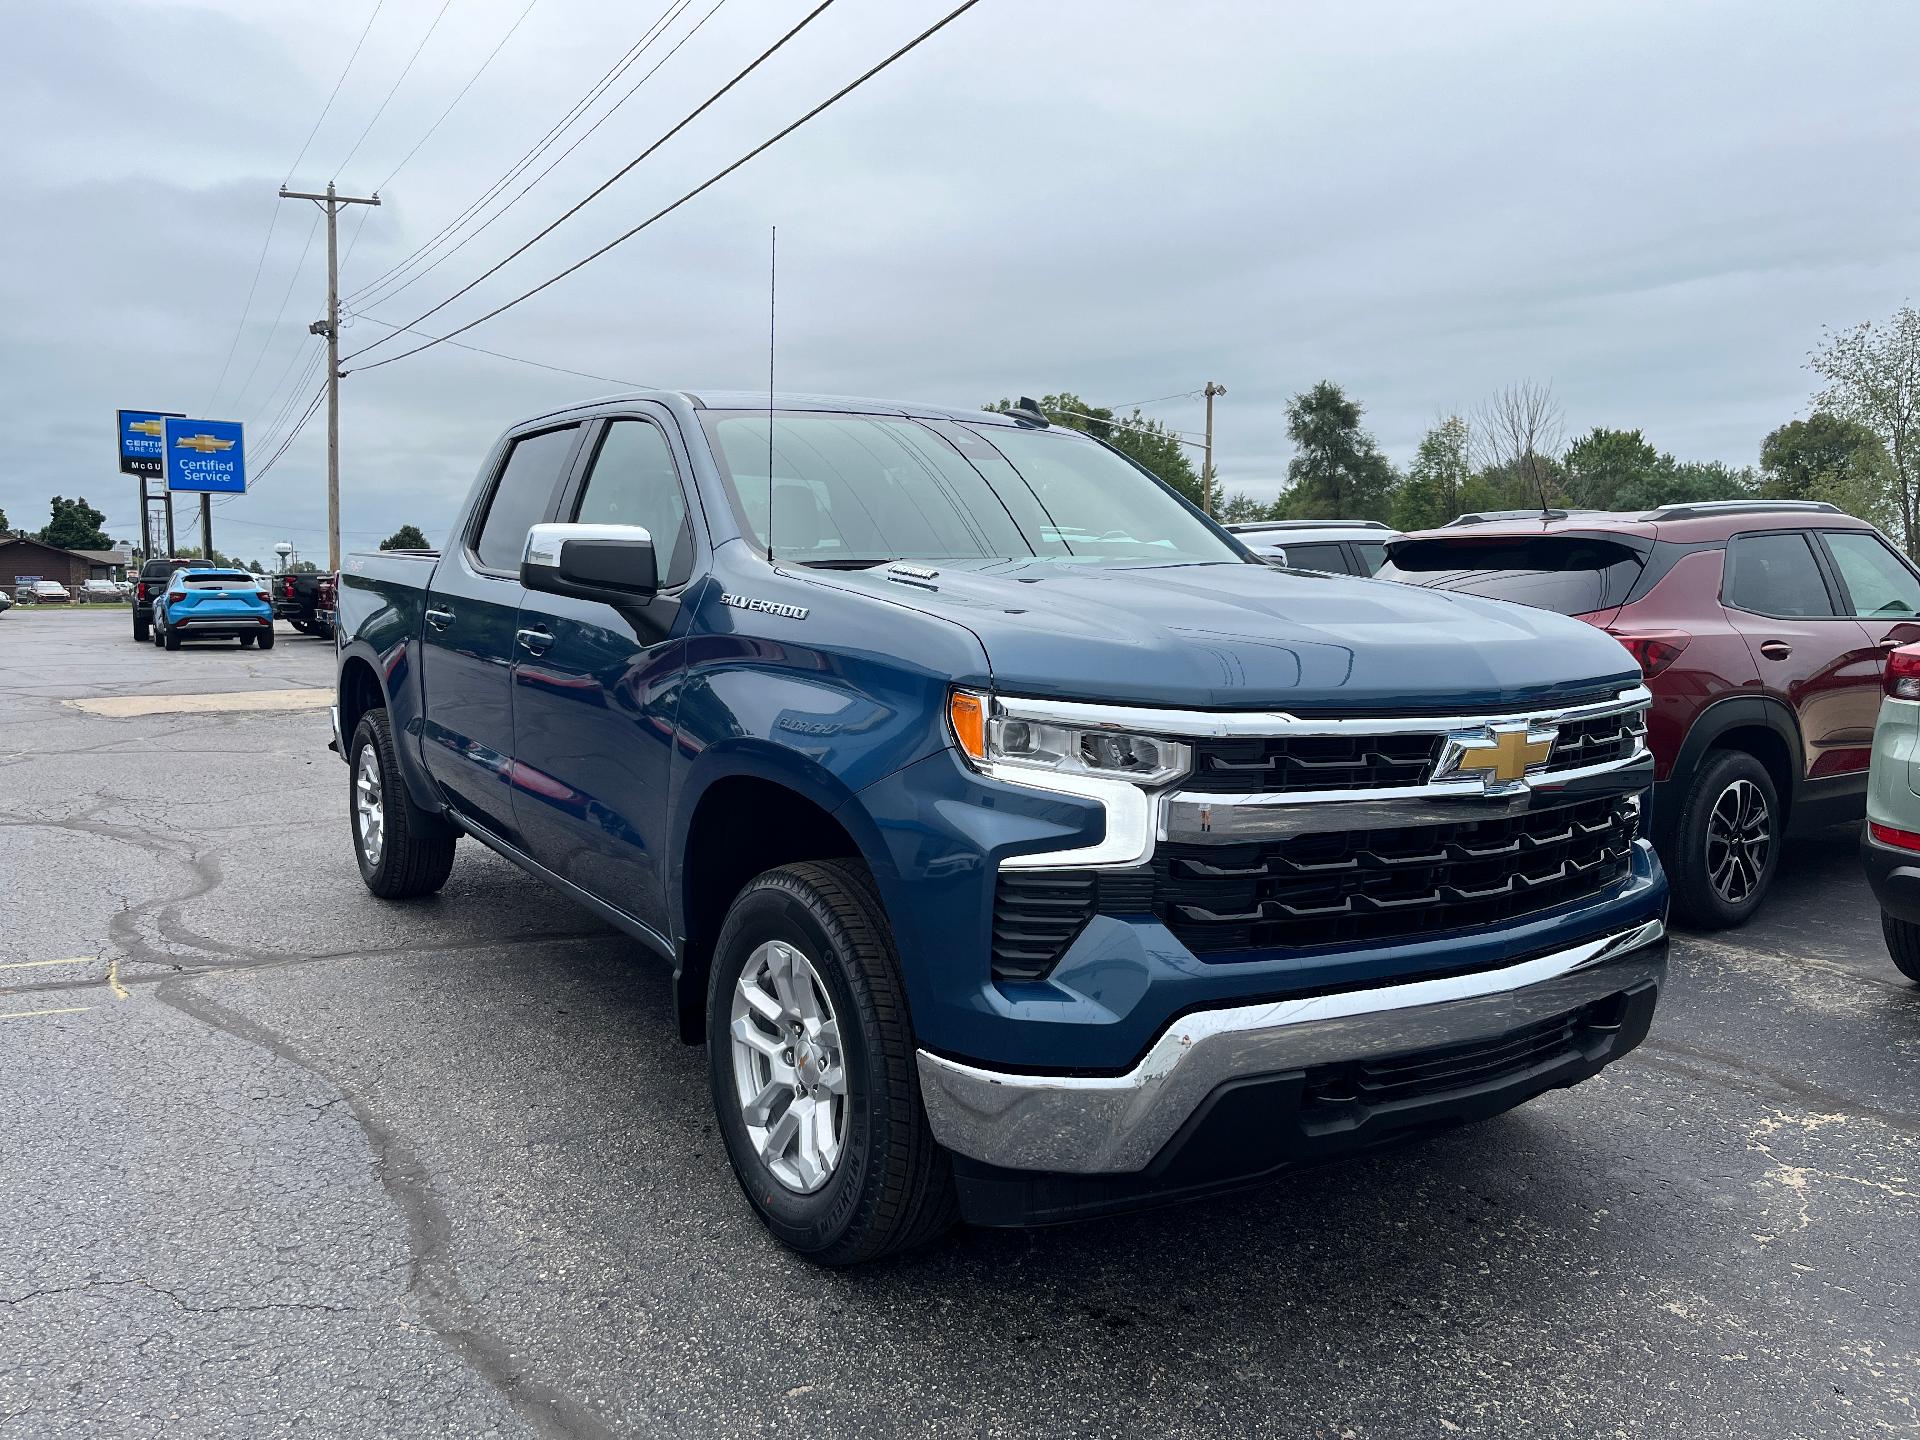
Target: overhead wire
266,342
538,148
471,80
579,140
335,94
626,169
405,71
705,185
517,359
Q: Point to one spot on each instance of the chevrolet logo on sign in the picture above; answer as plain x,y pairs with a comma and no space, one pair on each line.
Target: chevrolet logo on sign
205,444
147,427
1501,755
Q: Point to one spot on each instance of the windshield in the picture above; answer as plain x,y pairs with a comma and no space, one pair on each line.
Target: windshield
1572,574
858,490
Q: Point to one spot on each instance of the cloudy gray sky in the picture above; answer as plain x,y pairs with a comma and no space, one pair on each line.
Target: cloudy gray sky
1654,206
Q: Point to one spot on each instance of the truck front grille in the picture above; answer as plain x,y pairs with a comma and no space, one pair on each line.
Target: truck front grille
1342,887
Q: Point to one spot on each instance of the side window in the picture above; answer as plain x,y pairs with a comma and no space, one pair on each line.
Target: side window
1316,557
1878,583
633,483
520,500
1775,574
1372,553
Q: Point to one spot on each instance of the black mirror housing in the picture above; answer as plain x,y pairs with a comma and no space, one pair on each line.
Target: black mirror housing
614,564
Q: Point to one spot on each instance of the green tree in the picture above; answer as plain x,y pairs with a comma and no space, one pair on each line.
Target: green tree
1147,443
1239,508
1603,465
1827,457
76,526
1339,473
407,537
1872,375
1431,493
4,527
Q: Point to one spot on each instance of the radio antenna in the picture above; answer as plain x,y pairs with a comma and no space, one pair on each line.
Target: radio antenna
773,270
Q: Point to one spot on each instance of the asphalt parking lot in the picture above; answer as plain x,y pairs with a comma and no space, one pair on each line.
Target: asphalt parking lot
282,1159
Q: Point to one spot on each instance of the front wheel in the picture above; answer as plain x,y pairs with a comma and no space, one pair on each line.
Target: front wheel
811,1063
403,851
1903,945
1727,842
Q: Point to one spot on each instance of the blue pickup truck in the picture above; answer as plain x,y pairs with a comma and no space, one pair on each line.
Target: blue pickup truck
1022,846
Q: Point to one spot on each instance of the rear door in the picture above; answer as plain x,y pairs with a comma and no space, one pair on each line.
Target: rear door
472,610
595,685
1782,600
1878,586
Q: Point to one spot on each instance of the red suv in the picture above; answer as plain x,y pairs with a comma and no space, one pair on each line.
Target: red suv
1762,628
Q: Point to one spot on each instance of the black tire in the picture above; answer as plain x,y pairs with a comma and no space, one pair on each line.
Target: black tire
415,849
1712,891
266,638
140,630
303,626
171,639
1903,945
892,1187
246,642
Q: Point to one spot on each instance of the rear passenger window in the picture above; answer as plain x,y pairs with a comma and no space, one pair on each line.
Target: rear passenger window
1373,554
520,500
1315,557
1878,581
1775,574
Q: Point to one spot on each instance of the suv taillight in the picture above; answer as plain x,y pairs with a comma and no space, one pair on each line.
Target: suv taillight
176,595
1652,650
1903,673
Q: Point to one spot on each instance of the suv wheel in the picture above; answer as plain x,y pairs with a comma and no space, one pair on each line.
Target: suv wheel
1903,944
140,628
403,851
1727,842
811,1063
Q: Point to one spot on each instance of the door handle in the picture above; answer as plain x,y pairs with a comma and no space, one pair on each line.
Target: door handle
1775,649
534,642
439,619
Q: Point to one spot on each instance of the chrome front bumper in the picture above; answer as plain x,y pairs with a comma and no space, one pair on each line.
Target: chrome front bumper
1094,1125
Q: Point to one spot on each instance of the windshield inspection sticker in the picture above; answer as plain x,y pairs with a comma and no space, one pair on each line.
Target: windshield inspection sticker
765,607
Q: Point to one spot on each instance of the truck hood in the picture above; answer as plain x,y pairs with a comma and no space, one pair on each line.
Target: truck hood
1256,638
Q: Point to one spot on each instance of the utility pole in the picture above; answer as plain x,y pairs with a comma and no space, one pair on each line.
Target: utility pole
330,327
1206,467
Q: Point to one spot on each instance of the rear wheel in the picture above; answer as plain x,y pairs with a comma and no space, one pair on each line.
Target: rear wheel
246,642
140,629
266,638
403,851
811,1063
305,627
1903,944
1727,842
170,638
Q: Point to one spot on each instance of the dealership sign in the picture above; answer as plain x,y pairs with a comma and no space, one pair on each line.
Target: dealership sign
140,440
204,455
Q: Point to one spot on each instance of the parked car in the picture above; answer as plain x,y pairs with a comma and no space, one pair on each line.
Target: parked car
102,590
151,582
50,592
1338,547
1021,844
6,602
1890,843
203,603
1762,628
297,600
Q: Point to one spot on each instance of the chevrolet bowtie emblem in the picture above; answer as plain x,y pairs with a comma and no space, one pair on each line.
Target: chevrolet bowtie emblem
205,444
155,428
1500,755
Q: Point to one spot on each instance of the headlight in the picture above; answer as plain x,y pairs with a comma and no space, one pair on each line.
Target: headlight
990,738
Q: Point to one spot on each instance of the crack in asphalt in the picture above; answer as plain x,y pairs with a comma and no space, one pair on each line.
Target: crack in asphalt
95,1282
1813,1096
433,1281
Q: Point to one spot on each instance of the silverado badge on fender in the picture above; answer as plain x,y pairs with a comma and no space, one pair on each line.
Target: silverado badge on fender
766,607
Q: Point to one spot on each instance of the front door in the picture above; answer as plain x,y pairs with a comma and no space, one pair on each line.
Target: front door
1777,595
595,689
473,609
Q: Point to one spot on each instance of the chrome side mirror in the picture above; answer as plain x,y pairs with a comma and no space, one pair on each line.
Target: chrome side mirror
610,563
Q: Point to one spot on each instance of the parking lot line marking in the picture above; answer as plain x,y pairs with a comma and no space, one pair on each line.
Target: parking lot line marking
42,964
120,991
29,1014
125,707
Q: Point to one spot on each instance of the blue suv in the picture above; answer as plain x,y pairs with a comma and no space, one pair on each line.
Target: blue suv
202,603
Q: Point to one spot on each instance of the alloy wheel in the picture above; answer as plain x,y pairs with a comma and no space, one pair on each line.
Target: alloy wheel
369,812
789,1072
1739,841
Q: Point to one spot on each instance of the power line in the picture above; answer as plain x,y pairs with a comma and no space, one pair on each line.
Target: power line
1136,404
313,408
405,71
688,119
364,30
581,139
517,359
455,101
539,147
267,343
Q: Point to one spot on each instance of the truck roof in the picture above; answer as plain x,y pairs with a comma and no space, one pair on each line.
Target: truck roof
788,400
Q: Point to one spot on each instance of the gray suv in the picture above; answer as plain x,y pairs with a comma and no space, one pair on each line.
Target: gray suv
1341,547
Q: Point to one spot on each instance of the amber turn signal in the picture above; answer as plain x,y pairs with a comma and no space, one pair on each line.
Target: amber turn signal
968,716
